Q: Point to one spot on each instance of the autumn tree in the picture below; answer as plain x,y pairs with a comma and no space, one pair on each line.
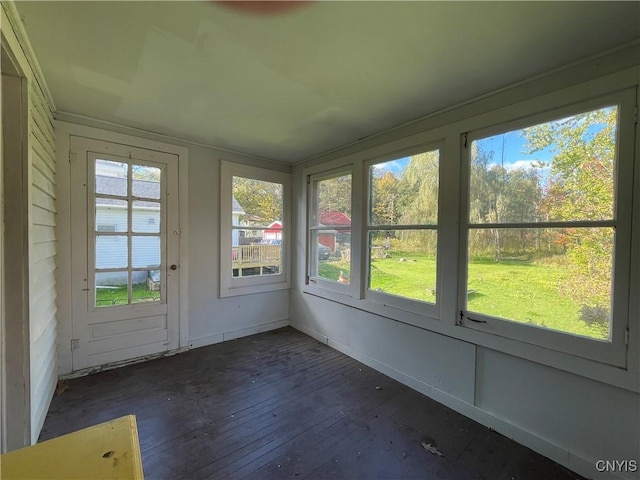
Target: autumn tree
581,187
259,199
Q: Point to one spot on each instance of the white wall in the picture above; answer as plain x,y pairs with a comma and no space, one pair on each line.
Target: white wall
572,413
209,319
42,216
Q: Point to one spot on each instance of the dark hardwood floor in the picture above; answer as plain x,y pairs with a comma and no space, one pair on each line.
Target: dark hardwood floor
282,405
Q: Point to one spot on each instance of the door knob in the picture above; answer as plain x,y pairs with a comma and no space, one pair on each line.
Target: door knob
173,267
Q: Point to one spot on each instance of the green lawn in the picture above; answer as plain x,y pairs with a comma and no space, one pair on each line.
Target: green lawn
118,296
523,291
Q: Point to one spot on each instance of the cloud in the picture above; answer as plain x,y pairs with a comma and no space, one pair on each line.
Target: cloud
524,165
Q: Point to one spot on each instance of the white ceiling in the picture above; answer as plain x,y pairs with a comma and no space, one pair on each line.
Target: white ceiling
289,86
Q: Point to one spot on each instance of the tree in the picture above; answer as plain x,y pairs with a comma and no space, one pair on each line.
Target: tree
334,195
384,198
259,198
581,187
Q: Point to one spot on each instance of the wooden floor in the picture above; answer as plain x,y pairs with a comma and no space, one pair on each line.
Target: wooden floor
282,405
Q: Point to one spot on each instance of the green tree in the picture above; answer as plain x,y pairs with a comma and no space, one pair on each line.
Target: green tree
581,187
384,198
259,198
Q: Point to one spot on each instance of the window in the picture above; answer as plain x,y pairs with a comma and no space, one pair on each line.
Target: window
402,229
330,229
254,235
544,244
127,259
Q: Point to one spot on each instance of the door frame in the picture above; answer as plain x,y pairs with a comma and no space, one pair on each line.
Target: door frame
65,132
15,383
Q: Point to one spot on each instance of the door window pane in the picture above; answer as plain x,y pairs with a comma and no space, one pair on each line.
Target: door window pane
111,215
111,251
145,181
145,286
111,288
111,177
145,251
145,217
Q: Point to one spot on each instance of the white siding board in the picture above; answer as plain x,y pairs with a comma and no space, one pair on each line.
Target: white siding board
43,217
43,250
44,200
40,162
43,120
43,288
42,182
42,233
42,313
43,136
40,137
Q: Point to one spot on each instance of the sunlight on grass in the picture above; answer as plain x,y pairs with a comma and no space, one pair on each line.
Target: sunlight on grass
521,291
106,297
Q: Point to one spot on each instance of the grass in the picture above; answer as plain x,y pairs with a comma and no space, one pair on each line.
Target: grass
118,296
519,290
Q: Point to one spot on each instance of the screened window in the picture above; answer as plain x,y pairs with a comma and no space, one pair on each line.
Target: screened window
402,227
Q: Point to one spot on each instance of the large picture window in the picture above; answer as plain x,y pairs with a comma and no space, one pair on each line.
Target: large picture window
542,217
402,228
255,226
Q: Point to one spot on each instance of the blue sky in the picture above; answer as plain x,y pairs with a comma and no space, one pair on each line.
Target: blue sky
514,154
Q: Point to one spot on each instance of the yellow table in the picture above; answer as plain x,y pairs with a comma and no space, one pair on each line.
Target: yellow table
110,450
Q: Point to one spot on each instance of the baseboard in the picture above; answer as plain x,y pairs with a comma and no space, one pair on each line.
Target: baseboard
572,461
122,363
232,335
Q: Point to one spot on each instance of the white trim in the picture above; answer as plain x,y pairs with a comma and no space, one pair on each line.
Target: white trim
15,342
64,131
575,462
614,351
233,286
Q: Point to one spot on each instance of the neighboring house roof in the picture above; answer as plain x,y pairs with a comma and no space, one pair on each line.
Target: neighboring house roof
109,185
275,227
235,206
334,218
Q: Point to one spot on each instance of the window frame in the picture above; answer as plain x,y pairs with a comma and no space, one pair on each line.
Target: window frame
232,286
611,352
352,288
418,307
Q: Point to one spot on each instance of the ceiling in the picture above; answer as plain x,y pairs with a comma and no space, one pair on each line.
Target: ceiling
291,85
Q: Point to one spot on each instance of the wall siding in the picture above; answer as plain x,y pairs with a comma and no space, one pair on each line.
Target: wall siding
42,225
42,296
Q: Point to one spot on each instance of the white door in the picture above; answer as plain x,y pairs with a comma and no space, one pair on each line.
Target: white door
125,244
